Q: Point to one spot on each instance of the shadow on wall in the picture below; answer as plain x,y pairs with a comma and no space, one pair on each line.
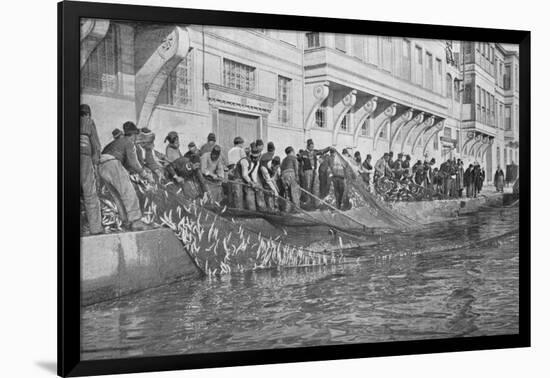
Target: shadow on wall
49,366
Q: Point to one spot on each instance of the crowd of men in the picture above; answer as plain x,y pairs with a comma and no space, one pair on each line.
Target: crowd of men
249,176
450,179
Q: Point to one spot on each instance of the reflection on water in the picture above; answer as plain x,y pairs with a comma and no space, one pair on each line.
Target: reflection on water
391,295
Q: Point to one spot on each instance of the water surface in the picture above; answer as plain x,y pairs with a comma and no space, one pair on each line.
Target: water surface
436,283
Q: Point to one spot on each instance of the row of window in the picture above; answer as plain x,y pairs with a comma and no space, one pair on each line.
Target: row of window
510,156
243,77
491,111
100,73
236,75
485,107
102,69
394,55
504,75
486,58
345,125
485,55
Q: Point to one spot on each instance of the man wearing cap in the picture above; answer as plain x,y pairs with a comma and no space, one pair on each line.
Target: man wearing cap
381,167
246,181
172,151
356,162
390,160
188,175
145,149
193,152
186,171
118,158
481,179
398,167
289,178
446,169
254,193
260,145
89,159
276,178
117,133
209,145
213,172
428,179
300,157
268,176
400,157
324,176
459,176
368,172
309,167
419,173
270,152
194,157
236,153
337,171
406,166
346,154
475,177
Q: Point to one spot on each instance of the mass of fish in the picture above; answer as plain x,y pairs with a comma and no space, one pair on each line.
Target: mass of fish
392,190
217,245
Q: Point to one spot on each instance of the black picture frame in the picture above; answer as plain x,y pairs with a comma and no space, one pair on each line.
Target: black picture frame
69,363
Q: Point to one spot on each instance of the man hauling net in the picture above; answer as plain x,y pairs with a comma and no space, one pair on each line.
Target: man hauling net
89,159
117,158
245,185
290,171
213,173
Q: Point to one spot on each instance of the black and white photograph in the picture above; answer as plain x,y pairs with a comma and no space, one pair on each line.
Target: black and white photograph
258,189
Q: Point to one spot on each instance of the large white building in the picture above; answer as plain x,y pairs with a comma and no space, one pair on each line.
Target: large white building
369,93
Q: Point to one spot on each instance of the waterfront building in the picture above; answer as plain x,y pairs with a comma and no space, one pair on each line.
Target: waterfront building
370,93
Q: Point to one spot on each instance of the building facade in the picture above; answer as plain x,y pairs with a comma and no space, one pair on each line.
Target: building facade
368,93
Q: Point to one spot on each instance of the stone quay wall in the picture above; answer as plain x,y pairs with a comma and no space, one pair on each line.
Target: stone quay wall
113,265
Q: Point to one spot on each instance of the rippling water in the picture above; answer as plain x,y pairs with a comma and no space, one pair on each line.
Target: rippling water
438,283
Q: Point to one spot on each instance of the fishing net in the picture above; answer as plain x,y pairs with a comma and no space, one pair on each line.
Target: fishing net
220,244
217,244
359,195
392,189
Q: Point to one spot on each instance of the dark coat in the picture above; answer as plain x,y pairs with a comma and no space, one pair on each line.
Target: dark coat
476,175
468,175
125,151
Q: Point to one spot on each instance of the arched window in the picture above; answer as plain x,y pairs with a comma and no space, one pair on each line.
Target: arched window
320,117
384,132
344,124
398,136
365,128
100,73
449,82
178,88
457,90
